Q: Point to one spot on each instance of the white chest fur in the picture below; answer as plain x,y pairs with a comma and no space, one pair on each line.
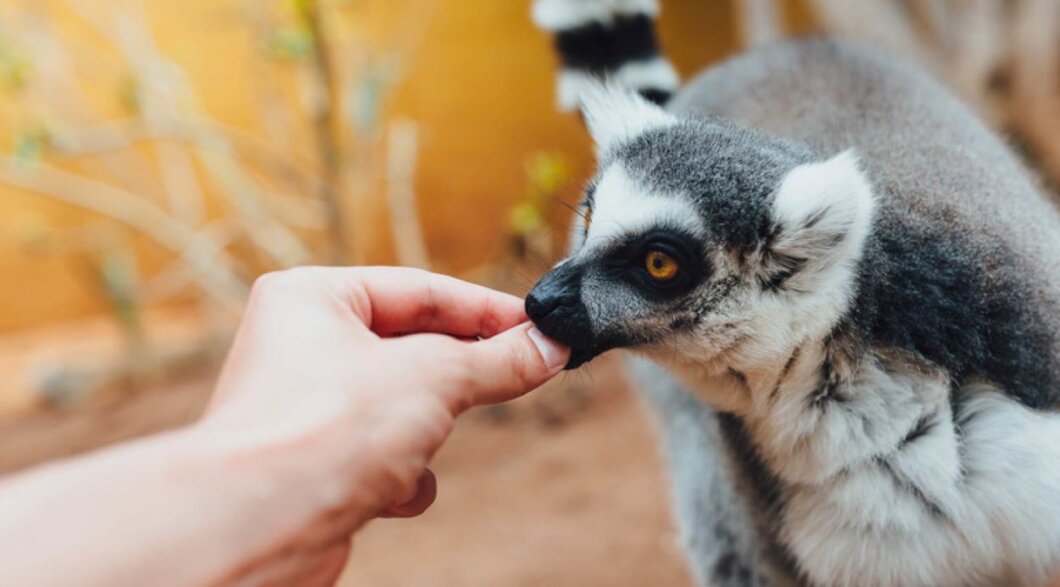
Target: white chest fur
884,484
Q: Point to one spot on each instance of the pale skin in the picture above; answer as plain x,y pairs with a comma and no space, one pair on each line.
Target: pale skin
340,386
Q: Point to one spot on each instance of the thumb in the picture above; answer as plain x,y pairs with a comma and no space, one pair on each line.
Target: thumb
514,362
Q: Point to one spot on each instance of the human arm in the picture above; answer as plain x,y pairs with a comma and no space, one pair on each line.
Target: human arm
325,416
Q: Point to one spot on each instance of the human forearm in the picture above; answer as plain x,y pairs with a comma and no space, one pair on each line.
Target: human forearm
184,508
340,386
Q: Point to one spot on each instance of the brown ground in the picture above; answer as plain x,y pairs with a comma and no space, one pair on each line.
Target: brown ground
581,505
549,491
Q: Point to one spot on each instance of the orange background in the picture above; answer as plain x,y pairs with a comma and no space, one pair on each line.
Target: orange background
480,87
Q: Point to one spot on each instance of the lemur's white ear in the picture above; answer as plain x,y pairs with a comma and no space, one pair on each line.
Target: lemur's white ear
615,114
822,212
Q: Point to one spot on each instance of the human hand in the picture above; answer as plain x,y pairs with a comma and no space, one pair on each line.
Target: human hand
352,377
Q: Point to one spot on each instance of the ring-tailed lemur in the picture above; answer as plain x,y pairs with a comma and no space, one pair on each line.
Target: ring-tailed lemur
857,287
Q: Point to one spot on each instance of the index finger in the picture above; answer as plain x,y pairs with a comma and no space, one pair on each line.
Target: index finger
399,300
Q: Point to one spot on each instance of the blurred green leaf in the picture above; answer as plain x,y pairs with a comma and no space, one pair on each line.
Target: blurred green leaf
525,218
31,145
301,7
293,43
547,172
130,94
119,278
367,101
115,270
14,69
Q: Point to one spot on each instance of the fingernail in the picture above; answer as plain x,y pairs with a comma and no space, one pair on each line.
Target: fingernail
552,352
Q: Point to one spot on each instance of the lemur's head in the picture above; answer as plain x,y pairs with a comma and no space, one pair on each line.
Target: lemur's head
701,239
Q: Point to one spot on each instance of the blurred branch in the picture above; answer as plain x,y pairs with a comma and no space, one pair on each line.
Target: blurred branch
404,219
199,188
278,122
270,235
56,97
123,134
874,21
1035,111
937,22
325,117
758,21
131,33
411,31
133,211
181,182
210,243
978,53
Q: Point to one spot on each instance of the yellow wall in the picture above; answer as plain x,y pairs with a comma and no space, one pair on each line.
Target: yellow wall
481,88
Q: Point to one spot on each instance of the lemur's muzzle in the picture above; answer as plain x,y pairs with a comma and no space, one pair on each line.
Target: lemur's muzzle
556,308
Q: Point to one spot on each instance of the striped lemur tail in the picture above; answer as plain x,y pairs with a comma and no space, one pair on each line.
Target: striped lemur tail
612,40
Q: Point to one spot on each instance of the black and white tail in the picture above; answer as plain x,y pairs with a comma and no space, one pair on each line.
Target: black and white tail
606,39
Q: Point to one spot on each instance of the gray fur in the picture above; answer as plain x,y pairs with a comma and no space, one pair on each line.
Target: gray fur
928,156
730,171
936,168
714,518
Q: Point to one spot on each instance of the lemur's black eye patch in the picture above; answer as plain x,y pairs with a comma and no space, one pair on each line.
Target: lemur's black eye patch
661,263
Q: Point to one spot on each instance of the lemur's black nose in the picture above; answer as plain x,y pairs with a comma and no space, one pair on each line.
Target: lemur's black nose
555,306
556,289
540,304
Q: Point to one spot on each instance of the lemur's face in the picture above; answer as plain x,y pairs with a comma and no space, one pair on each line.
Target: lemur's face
696,238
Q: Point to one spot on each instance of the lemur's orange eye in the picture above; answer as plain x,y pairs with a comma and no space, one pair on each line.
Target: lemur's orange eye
587,219
660,266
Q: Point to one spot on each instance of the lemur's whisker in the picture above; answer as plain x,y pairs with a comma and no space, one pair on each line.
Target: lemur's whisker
542,264
577,212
